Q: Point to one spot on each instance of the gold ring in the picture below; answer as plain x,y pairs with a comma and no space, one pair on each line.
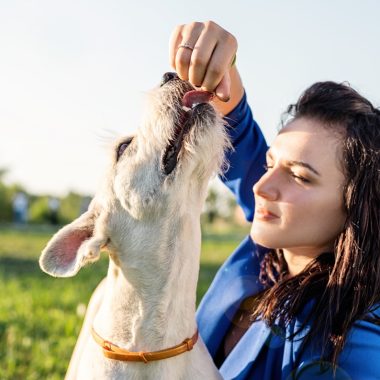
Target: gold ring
186,45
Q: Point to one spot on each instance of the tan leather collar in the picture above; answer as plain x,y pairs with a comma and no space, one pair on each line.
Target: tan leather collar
111,351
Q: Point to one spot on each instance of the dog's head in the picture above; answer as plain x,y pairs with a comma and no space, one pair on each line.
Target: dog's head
157,175
179,145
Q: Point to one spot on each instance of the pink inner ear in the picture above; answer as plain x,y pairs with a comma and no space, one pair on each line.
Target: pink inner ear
69,244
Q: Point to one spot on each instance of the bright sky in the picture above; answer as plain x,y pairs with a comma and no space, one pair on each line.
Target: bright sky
73,73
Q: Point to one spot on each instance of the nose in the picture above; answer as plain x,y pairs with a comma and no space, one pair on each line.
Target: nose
168,77
267,188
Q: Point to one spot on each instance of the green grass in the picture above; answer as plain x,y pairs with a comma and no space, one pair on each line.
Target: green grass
41,316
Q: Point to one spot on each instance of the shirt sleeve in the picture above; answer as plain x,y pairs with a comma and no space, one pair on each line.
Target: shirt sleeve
247,159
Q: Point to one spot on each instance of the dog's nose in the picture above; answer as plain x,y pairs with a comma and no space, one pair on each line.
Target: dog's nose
168,77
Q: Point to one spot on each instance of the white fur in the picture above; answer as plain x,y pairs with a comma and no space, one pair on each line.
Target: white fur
150,225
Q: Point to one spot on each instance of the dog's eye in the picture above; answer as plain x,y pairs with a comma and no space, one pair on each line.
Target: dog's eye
122,147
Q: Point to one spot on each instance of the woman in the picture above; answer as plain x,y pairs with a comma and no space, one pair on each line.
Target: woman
300,297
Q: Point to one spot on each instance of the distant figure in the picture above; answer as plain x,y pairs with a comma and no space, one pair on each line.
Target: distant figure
53,204
20,208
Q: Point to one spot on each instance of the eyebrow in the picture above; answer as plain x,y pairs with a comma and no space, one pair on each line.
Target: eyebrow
297,163
304,165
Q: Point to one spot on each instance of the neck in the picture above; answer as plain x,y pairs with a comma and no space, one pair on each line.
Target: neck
154,308
297,259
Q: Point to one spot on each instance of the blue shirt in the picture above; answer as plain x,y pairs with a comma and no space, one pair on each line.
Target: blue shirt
260,354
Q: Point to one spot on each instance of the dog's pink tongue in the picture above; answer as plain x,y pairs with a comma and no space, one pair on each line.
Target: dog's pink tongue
192,98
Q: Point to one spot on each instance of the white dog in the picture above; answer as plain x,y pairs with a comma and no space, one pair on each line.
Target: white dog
147,217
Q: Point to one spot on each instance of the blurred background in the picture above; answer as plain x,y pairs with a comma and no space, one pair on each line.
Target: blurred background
73,76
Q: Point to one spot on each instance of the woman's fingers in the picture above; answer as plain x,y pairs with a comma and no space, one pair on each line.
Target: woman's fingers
200,58
175,41
218,67
223,90
202,54
185,41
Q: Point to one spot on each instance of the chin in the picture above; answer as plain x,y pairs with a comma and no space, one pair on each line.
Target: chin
264,239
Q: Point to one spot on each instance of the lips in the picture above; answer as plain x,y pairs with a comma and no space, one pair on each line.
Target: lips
264,213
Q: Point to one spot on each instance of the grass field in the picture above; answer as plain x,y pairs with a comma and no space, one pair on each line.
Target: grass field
40,316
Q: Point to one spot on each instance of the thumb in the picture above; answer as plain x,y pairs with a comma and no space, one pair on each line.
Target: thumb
223,90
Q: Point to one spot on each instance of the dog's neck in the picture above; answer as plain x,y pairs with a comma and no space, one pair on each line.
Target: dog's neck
152,308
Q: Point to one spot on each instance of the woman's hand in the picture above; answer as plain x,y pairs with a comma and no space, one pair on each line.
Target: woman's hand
203,53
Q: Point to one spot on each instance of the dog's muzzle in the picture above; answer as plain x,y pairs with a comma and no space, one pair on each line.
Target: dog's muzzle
192,101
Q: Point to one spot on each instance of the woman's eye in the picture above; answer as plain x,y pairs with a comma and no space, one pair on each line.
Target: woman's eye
122,147
294,175
300,178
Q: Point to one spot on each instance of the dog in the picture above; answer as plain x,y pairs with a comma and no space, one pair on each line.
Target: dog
147,218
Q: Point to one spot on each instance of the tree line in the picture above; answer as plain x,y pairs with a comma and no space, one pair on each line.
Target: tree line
39,210
68,207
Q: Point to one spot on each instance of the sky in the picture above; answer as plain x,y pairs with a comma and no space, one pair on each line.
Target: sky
73,73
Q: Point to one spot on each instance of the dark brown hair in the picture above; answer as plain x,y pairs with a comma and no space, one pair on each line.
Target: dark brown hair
345,283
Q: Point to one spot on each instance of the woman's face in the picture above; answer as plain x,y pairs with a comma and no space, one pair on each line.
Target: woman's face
299,200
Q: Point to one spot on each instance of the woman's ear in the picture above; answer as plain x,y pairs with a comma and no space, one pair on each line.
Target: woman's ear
72,247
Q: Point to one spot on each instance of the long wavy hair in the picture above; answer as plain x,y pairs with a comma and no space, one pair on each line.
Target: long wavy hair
345,283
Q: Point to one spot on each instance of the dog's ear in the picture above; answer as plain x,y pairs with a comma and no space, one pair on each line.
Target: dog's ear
72,247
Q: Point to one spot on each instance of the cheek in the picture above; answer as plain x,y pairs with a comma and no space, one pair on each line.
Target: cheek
331,219
321,214
310,219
